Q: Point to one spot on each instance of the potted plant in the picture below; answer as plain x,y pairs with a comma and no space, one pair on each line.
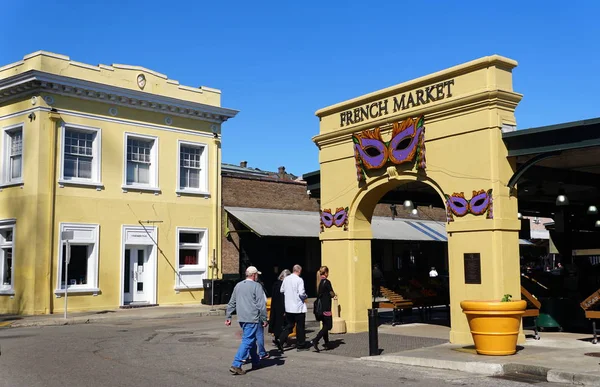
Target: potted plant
495,324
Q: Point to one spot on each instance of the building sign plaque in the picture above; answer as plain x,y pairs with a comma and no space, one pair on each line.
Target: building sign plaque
472,268
397,103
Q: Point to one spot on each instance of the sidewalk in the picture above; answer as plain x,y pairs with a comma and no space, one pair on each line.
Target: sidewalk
114,315
558,357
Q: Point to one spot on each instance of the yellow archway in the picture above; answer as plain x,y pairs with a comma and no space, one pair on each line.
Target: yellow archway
443,130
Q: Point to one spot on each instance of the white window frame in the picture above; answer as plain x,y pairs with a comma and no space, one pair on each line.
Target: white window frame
203,190
95,180
7,180
92,275
153,185
8,224
201,268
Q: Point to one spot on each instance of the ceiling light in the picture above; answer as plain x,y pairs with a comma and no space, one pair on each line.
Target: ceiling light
592,210
598,223
414,212
408,204
562,200
519,216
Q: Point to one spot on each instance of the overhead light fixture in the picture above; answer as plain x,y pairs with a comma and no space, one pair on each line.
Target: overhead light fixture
598,223
562,199
519,215
408,204
414,212
592,210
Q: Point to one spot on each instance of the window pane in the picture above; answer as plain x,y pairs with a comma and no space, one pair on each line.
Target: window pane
194,178
127,271
188,257
7,264
190,156
15,167
189,237
139,150
78,143
85,168
69,168
7,235
130,172
16,142
78,266
143,173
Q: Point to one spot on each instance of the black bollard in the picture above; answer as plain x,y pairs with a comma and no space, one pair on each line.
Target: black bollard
373,338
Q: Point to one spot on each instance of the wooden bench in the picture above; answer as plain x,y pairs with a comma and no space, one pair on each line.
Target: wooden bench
533,310
588,305
395,302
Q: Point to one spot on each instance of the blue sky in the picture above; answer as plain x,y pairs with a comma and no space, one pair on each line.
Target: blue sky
280,61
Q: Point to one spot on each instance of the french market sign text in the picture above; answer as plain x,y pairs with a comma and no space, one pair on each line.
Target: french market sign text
397,103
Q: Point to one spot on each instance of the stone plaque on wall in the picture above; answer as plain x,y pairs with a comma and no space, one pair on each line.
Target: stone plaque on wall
472,268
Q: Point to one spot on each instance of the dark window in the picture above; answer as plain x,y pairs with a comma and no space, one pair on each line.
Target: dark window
78,266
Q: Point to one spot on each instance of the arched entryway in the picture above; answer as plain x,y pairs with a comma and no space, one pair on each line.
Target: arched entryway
445,131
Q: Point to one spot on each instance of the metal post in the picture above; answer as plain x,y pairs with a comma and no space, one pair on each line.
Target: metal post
212,272
373,338
67,259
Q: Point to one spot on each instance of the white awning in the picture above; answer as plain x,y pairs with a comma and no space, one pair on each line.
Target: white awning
287,223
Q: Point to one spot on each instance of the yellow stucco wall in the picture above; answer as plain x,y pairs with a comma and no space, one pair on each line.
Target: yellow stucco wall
464,153
41,204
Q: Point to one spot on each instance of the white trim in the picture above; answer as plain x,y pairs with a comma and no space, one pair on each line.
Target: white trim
10,224
106,67
152,258
153,185
132,123
46,53
5,179
204,171
89,90
201,268
63,112
96,180
84,65
212,90
138,68
192,89
93,291
94,241
23,112
11,65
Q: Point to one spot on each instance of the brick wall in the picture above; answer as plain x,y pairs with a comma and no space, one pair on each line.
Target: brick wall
282,195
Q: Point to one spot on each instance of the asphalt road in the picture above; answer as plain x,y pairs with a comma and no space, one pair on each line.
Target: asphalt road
189,352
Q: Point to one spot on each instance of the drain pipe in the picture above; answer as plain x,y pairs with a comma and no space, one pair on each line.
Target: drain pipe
55,120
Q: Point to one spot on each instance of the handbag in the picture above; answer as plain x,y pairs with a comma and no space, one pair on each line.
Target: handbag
318,309
318,306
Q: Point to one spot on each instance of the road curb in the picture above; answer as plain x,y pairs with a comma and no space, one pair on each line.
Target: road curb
108,319
493,369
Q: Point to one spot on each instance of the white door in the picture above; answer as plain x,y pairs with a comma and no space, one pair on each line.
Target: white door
136,277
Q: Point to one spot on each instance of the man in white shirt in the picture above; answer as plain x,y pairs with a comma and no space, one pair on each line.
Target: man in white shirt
294,295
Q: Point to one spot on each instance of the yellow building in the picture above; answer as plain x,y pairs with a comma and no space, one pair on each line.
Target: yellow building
442,131
119,163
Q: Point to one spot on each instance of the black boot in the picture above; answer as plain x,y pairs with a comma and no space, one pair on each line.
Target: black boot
315,345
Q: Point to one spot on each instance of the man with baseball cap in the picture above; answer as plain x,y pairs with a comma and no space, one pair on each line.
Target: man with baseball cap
249,301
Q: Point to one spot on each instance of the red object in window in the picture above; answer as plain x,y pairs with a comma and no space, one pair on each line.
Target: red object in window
191,260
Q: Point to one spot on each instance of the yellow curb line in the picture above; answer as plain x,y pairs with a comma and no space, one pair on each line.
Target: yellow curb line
4,324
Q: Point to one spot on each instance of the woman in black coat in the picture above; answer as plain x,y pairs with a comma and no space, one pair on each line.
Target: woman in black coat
277,316
325,293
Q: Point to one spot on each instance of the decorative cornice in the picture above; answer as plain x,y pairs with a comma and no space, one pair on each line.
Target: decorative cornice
38,81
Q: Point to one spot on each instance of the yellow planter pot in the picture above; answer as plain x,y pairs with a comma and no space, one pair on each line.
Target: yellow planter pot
494,325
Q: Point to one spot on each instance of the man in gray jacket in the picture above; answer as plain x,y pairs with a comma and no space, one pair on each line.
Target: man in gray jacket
248,299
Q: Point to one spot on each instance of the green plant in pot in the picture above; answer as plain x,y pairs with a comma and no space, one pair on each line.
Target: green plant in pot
495,324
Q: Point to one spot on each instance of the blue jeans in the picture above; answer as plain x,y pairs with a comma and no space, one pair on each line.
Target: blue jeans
248,345
260,341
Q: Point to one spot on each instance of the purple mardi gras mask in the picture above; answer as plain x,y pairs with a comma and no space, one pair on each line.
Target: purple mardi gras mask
339,219
408,140
480,203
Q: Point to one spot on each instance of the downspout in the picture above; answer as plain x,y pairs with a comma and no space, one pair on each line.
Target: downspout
55,119
218,220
